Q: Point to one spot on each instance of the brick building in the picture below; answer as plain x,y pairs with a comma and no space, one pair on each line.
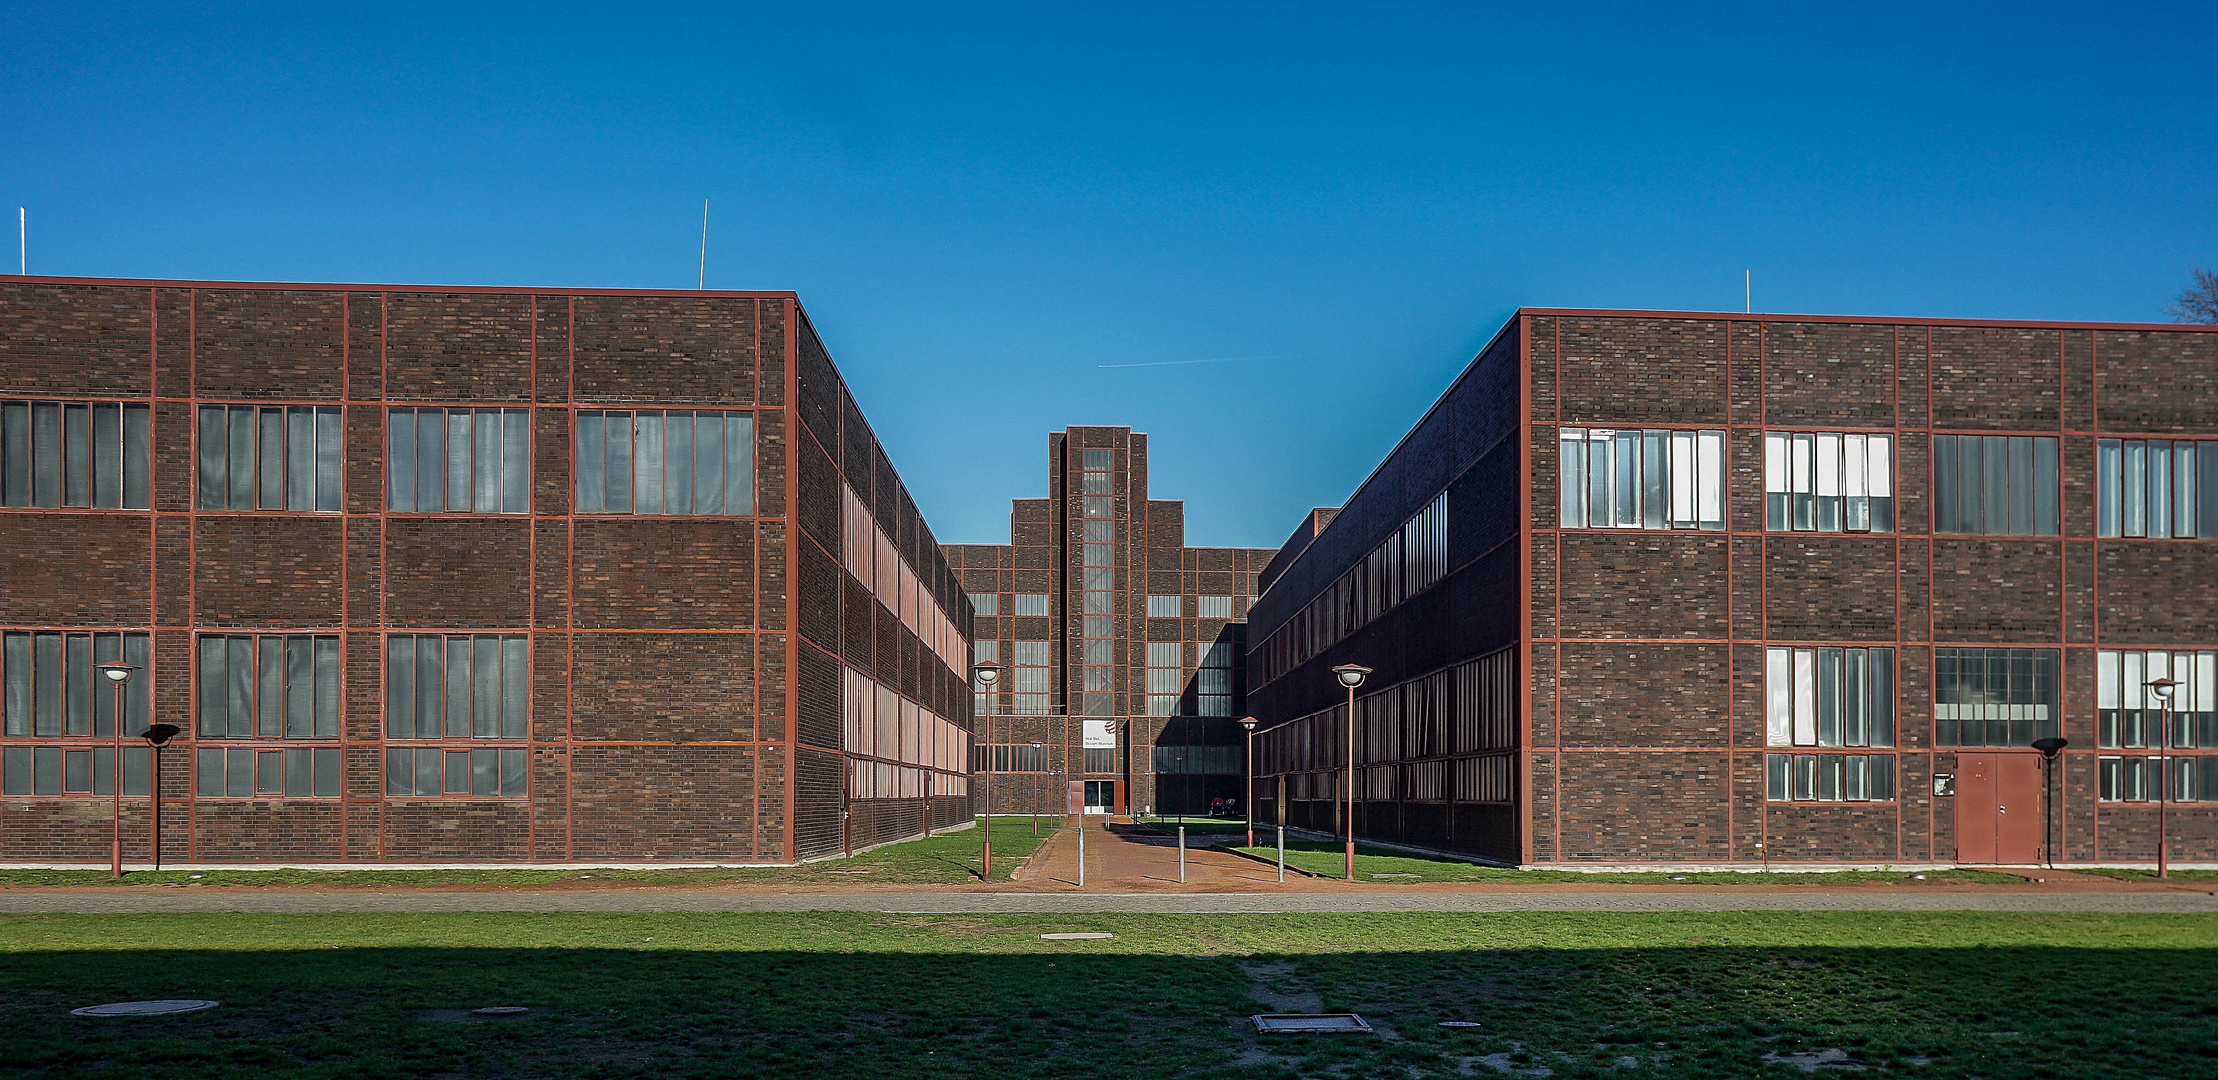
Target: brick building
441,574
1682,588
1120,646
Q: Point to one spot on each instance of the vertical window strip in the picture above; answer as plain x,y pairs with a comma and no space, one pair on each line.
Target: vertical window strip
265,457
50,684
1829,696
1996,485
456,686
2156,488
277,686
1652,479
1828,482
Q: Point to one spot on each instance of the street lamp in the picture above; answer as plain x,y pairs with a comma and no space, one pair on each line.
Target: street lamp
1042,748
1351,676
2163,688
1247,791
157,737
117,673
986,673
2048,748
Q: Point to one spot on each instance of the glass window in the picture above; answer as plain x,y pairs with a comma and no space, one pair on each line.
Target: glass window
1215,607
430,771
1166,677
2130,715
270,686
1995,485
1164,606
1828,482
49,684
1829,777
666,462
294,772
1031,604
1213,681
1031,683
1641,479
1097,506
1994,697
458,460
1095,461
269,457
2156,488
457,686
90,454
1829,696
985,603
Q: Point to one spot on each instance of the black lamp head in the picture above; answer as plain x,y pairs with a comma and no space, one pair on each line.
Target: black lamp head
159,733
2049,746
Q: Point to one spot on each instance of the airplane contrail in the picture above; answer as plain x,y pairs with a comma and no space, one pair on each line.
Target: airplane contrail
1169,363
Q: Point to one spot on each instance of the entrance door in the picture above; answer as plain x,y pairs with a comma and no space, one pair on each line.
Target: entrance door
1101,796
1998,809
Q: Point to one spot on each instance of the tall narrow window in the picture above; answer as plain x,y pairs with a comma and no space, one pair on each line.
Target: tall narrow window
1166,677
2156,488
52,686
984,652
1641,479
666,462
1829,696
1213,681
67,453
269,686
1828,482
1994,697
1033,687
1995,485
457,686
458,461
269,457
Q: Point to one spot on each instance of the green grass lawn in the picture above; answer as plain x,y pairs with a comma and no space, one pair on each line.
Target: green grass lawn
1197,826
2123,874
946,859
884,997
1381,865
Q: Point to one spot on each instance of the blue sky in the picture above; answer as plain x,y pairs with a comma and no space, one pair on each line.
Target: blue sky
984,206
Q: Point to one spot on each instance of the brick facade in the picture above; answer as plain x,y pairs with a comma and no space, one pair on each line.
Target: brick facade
662,675
1641,652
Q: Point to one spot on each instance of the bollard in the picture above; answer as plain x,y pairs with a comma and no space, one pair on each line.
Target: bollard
1182,854
1081,851
1282,854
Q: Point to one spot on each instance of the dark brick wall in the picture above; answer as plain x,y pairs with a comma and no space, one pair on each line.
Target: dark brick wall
657,732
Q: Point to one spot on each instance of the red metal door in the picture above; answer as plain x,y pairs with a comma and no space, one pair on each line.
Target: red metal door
1975,808
2017,809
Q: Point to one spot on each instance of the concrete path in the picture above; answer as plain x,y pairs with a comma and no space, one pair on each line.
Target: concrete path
290,901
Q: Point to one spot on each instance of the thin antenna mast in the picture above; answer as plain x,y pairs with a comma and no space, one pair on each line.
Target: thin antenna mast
1748,292
703,281
22,246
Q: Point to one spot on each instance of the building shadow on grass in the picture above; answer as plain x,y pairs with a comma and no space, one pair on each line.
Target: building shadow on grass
984,996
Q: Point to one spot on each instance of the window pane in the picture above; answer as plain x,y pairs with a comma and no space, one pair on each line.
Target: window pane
2135,490
1655,493
327,688
1881,696
1600,470
46,453
269,691
590,464
1710,479
431,460
239,688
2020,485
458,687
1828,481
2183,488
515,687
300,771
1945,487
485,461
2044,487
300,685
431,679
15,665
485,668
458,772
77,684
2206,489
269,776
513,765
485,772
1775,777
1625,450
1995,481
213,680
214,443
708,482
15,453
328,432
208,774
400,686
1829,697
1805,697
400,459
1803,476
1879,477
430,763
2160,488
300,459
618,473
647,468
107,456
76,456
400,771
137,493
677,495
1571,484
461,440
327,772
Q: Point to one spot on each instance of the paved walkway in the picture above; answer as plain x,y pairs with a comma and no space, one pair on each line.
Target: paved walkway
266,900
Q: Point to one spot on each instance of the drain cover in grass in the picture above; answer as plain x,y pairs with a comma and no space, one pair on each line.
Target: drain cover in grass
1460,1024
500,1010
1076,937
1312,1023
170,1007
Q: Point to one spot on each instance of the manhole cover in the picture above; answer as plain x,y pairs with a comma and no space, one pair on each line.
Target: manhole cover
1459,1023
1076,937
1311,1022
500,1010
170,1007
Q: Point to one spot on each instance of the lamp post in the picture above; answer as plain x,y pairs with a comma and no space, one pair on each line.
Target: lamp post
157,737
986,673
2048,748
1351,676
1247,790
2163,688
117,673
